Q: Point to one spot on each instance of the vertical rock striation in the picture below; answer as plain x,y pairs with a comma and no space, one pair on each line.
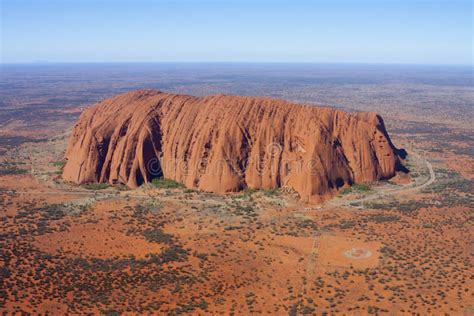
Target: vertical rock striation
227,143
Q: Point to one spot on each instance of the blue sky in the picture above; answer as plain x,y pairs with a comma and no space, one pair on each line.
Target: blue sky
337,31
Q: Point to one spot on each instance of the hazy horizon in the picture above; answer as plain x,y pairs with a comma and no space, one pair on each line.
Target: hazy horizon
210,62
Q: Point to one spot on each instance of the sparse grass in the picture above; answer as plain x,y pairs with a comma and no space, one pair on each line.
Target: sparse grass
95,186
162,183
381,218
362,187
233,227
15,141
245,210
246,194
53,211
8,168
346,191
202,256
12,171
111,312
158,236
346,224
357,188
59,163
271,192
121,187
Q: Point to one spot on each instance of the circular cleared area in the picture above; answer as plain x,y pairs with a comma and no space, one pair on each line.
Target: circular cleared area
357,253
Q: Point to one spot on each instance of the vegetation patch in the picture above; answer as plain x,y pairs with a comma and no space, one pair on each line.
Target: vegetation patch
382,218
357,188
346,224
245,210
14,141
162,183
8,168
95,186
246,194
59,163
404,207
271,192
53,211
173,254
191,306
158,236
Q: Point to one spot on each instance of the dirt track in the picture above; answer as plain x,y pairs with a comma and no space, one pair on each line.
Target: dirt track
389,192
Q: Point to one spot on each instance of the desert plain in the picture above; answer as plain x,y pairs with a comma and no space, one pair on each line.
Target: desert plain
398,246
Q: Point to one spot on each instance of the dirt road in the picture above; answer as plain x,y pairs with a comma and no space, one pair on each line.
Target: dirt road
389,192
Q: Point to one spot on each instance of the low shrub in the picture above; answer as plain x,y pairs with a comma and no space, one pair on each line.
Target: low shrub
95,186
162,183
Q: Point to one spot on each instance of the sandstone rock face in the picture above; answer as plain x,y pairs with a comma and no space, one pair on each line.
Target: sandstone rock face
227,143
